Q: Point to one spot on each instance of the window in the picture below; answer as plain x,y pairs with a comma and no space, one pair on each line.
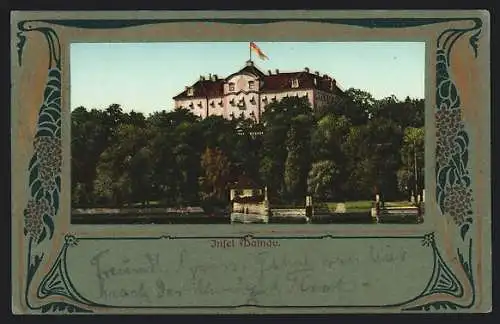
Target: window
242,104
295,83
231,86
251,85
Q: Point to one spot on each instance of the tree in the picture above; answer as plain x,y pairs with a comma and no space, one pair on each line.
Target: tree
413,159
246,147
322,179
351,149
277,121
89,138
372,155
298,160
164,180
126,165
359,106
327,137
141,175
216,169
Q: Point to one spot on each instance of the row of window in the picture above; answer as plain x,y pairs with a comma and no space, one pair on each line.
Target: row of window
251,85
241,102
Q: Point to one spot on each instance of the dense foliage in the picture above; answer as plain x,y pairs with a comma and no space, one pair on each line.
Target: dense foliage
350,150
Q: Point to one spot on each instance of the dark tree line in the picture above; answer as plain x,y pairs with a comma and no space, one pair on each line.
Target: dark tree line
356,147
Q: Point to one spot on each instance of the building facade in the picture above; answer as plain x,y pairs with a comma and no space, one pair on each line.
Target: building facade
247,92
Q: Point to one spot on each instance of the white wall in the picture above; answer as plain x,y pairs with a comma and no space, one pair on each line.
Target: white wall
247,109
196,109
216,109
317,98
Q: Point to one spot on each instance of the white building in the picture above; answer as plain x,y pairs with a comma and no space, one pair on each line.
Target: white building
247,92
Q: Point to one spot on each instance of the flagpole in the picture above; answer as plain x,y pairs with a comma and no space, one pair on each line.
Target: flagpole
250,51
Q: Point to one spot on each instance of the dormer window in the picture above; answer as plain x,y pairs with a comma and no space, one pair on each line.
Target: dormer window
231,101
295,83
190,91
191,105
231,86
251,85
252,100
212,104
220,103
264,99
199,104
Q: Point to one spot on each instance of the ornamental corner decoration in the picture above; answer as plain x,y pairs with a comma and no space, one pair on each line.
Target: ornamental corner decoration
453,190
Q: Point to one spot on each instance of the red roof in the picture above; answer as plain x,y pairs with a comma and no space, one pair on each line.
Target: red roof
283,82
205,89
271,83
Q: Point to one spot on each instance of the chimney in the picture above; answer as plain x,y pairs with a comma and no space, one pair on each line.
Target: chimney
269,72
216,77
316,72
202,78
306,69
277,71
210,76
325,76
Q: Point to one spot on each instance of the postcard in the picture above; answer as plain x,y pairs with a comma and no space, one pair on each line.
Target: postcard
233,162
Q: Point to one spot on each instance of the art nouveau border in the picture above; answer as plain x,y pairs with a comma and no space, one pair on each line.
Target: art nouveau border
454,192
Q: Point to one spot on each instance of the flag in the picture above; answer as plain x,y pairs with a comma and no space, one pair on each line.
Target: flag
259,52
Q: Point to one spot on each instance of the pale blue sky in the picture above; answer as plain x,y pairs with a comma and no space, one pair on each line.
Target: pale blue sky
145,76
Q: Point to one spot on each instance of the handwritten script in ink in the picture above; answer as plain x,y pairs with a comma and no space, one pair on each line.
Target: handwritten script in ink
263,275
